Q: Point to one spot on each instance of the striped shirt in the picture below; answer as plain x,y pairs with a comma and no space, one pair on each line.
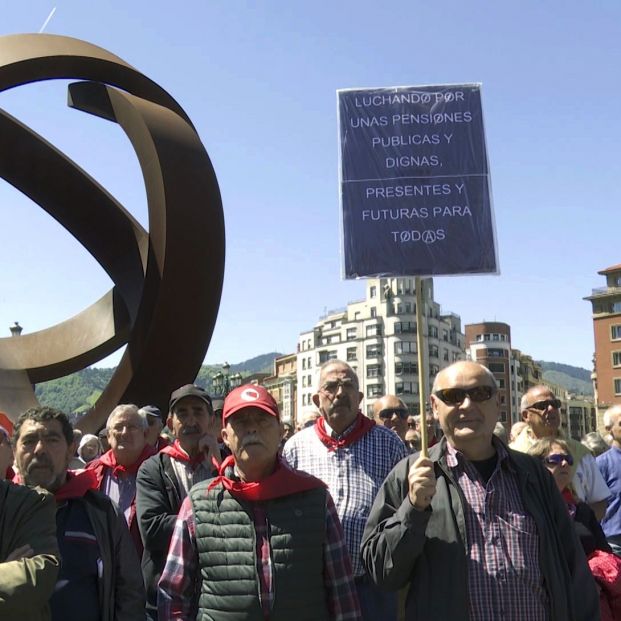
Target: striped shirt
353,474
502,543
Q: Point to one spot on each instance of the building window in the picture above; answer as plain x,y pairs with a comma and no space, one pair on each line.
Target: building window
324,356
406,368
374,390
616,358
495,337
503,416
445,355
405,347
303,381
615,332
616,307
501,383
405,327
303,363
372,292
351,334
486,337
445,336
408,308
434,369
373,312
374,370
404,388
433,332
375,330
433,351
617,382
496,367
479,337
351,354
374,351
493,352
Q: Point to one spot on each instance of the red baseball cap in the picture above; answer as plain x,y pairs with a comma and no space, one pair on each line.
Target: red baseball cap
249,396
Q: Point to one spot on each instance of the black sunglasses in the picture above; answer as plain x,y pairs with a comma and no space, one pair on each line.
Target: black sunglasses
456,396
542,406
389,412
557,458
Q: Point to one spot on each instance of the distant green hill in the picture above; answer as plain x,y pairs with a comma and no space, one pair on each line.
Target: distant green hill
574,379
78,392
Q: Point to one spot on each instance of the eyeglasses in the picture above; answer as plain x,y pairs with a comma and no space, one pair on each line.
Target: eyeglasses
333,385
557,459
542,406
389,412
456,396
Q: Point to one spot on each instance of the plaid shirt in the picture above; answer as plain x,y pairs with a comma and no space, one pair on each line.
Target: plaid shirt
502,544
353,474
179,585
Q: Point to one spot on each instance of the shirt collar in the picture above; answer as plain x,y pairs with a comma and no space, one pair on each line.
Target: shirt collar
337,436
455,457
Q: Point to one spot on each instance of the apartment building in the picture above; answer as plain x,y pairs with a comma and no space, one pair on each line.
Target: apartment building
377,337
606,307
282,385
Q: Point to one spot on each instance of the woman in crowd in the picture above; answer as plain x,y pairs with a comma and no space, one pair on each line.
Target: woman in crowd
605,566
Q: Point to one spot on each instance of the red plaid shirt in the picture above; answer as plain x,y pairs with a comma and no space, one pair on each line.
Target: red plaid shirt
179,585
502,544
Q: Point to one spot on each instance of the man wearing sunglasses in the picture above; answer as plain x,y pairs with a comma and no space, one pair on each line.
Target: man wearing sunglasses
541,411
392,413
476,530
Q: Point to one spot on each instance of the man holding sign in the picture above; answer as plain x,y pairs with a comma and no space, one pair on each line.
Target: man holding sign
477,530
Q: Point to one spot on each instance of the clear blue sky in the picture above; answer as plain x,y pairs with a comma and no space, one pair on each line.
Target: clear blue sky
258,80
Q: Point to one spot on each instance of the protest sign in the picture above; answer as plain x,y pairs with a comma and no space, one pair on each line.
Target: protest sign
415,186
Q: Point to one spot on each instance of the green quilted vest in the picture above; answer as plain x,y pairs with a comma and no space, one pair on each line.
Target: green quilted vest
226,543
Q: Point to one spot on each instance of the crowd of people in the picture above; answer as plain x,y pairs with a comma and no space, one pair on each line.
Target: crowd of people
218,510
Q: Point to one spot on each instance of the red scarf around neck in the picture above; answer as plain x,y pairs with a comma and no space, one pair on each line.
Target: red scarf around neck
361,427
176,452
282,482
76,485
109,459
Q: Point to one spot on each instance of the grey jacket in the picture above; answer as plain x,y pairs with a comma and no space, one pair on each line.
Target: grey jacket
425,549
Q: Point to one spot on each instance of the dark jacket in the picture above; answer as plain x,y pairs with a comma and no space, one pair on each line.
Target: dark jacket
27,517
425,549
158,499
121,591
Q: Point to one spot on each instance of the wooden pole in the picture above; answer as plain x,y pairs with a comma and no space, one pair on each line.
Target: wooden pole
420,344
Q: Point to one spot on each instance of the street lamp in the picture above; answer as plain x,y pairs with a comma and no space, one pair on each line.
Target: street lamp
222,383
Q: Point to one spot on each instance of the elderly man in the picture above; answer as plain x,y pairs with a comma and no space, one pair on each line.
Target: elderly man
391,412
165,479
477,531
260,541
116,469
609,464
541,411
99,575
352,455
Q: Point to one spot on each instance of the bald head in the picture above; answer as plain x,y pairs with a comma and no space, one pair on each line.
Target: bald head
462,368
541,410
612,420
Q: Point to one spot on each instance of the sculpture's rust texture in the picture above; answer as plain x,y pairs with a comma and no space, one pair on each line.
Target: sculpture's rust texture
167,282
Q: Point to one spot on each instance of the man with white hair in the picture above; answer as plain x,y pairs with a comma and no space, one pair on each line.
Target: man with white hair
541,410
609,464
116,469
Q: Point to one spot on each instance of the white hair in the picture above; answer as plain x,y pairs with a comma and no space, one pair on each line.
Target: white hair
127,407
609,415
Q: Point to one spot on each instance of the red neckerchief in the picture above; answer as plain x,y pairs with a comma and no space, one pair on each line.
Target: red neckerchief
108,459
361,427
282,482
76,485
9,475
568,497
176,452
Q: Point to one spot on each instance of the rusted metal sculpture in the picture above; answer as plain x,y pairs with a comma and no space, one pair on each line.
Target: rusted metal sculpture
167,282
